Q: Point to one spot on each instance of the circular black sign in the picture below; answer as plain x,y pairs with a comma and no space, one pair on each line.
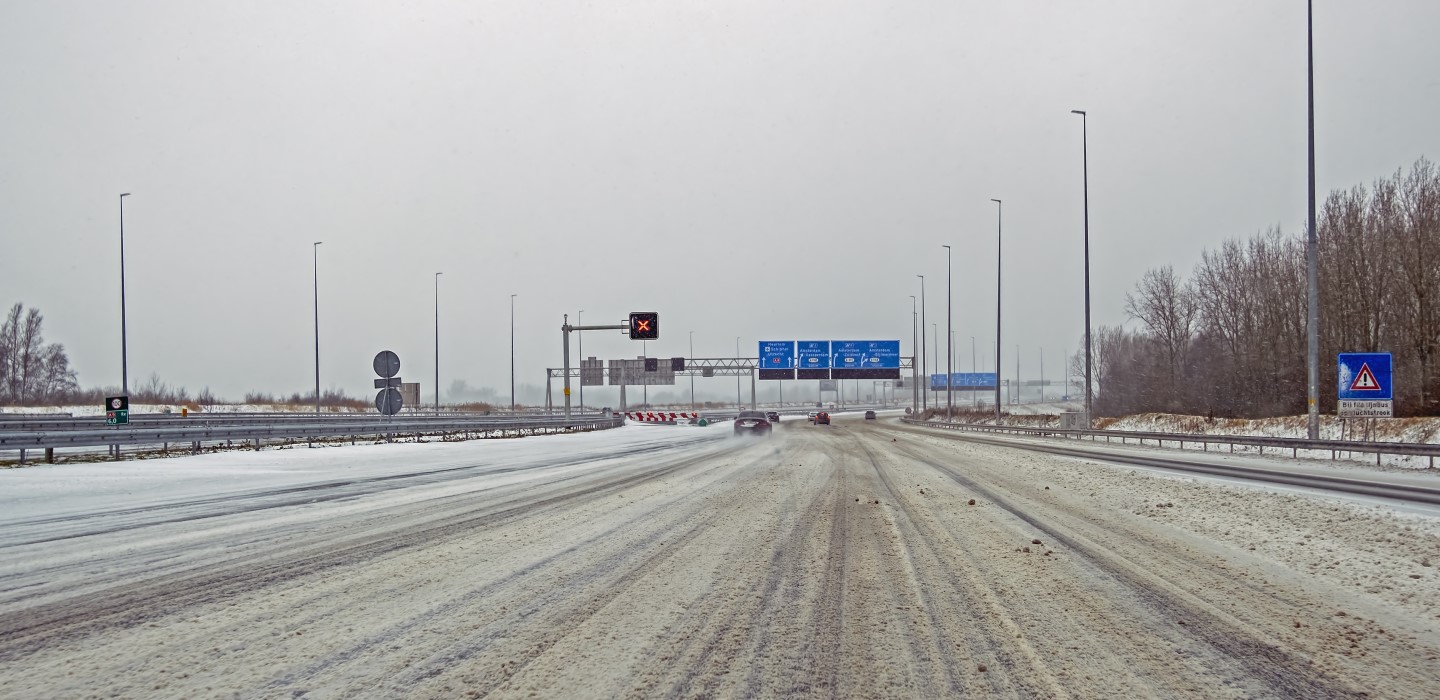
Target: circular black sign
387,364
389,401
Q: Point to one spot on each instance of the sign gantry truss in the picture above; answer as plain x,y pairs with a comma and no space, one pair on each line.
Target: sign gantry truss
602,373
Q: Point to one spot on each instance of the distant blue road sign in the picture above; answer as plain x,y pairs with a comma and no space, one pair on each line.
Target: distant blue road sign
970,381
777,354
974,379
1365,376
813,354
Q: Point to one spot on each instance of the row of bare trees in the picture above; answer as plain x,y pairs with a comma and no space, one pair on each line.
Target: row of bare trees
31,372
1231,339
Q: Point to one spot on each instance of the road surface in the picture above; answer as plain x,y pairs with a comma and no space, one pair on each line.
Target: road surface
841,561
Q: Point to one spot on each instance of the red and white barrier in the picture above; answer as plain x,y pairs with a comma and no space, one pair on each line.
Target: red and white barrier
660,416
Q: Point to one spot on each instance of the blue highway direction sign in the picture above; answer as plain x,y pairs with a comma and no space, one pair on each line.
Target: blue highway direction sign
777,359
813,359
865,359
777,354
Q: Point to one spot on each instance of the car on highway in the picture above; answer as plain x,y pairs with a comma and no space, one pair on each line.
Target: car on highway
822,418
811,416
752,423
869,415
772,416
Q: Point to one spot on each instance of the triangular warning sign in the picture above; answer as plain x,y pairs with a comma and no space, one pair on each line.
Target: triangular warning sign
1365,380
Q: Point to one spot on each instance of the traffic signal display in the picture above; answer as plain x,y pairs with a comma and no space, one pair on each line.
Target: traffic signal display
652,364
644,325
677,364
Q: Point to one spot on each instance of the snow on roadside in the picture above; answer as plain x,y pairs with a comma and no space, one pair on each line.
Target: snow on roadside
87,486
1376,549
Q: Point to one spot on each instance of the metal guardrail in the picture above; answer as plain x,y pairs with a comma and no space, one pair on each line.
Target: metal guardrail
1334,447
32,422
291,429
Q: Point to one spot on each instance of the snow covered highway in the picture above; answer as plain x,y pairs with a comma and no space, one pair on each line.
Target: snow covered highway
862,559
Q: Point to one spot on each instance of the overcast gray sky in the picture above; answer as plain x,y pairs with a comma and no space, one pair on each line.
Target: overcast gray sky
766,170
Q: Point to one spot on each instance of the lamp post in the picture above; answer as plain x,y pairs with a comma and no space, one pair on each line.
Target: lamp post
437,341
692,375
737,373
999,223
1312,354
511,353
949,344
924,356
914,343
124,358
315,272
973,395
581,322
935,342
1085,169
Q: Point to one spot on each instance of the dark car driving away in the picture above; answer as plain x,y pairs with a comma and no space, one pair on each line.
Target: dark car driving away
869,415
772,416
822,418
752,423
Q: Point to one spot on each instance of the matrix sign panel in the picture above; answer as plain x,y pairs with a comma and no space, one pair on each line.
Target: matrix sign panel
813,357
1366,385
865,359
777,359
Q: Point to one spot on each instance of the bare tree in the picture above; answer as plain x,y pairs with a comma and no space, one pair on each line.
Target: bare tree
1167,308
31,371
1417,277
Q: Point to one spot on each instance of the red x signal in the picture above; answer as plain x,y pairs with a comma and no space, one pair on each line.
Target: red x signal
644,325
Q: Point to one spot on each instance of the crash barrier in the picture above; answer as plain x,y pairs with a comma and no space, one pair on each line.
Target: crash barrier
1261,443
258,433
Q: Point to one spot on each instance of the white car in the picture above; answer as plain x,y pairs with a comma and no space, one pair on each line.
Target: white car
812,416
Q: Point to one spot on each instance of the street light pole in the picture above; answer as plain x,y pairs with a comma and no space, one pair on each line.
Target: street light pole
973,394
315,271
737,373
914,343
513,355
999,223
581,339
1312,248
949,342
924,356
935,343
124,357
1085,168
692,375
437,341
